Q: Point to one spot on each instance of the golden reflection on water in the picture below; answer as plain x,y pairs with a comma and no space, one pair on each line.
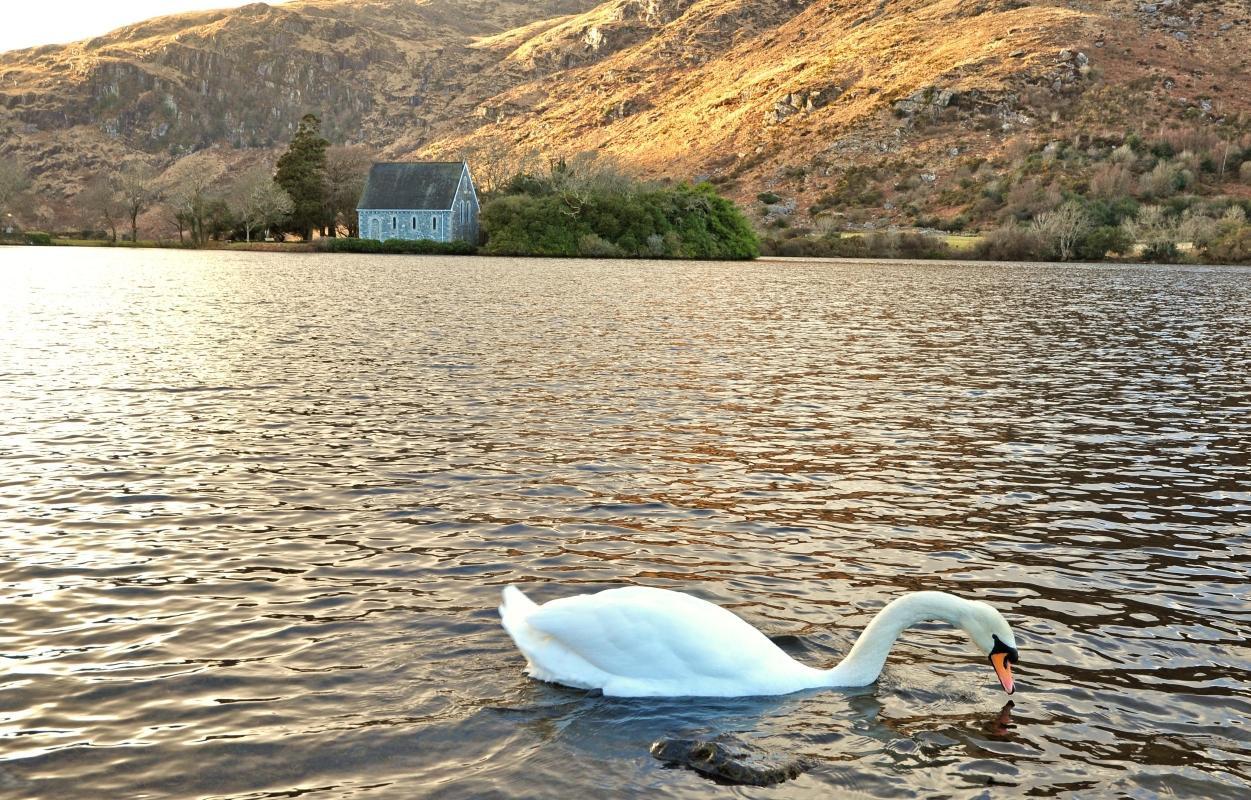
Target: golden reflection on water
257,511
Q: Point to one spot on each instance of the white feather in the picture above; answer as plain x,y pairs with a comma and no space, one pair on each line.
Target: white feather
646,642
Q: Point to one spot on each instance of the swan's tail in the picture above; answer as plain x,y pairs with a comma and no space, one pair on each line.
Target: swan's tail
514,610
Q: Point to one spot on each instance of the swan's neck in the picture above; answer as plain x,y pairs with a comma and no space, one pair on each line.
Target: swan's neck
864,663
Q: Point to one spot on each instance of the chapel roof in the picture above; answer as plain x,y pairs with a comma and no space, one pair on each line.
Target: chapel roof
423,185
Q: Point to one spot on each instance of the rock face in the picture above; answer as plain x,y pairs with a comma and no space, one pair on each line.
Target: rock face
243,78
931,100
729,759
801,101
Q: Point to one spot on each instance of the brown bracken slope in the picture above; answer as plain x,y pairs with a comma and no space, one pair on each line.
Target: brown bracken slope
776,95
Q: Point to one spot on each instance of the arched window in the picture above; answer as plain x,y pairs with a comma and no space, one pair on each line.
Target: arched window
434,223
414,223
393,223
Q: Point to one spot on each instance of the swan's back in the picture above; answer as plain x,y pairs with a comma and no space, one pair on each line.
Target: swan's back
642,642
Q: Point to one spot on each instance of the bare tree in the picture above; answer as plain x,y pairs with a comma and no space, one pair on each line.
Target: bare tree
138,186
1063,227
13,181
257,201
585,175
100,203
1155,231
188,191
347,167
494,162
1198,228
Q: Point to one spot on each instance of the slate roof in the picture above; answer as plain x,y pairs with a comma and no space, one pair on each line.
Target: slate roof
423,185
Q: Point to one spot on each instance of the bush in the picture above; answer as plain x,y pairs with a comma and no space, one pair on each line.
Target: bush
1112,211
882,244
895,244
592,246
768,198
1232,246
397,247
854,189
1160,252
1165,180
632,221
953,225
1011,243
1096,243
832,245
40,239
1156,231
1111,181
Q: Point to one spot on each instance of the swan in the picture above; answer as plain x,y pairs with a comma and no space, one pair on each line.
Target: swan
640,641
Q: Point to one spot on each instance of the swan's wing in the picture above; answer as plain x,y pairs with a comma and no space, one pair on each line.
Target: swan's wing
655,634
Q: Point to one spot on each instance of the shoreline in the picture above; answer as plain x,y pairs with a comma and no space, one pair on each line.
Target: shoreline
305,248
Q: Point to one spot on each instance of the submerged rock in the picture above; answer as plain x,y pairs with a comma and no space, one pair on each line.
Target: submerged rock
730,759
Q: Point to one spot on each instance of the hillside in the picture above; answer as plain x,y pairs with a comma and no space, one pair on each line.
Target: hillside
780,97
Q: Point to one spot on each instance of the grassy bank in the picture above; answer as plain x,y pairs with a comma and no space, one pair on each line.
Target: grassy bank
44,240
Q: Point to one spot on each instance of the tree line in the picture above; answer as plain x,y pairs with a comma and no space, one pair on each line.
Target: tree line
211,194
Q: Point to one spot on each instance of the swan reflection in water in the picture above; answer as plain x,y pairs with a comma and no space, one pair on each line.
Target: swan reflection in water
576,729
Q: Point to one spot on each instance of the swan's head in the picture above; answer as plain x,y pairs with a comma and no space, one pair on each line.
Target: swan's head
993,636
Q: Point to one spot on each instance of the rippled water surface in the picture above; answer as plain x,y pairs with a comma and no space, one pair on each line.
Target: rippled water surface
256,512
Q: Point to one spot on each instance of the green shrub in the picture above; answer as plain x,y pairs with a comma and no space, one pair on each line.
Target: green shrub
848,246
592,246
768,198
1097,242
636,221
1112,211
881,244
832,245
36,238
1160,252
1232,246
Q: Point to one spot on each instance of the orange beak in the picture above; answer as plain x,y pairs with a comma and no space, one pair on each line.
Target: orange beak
1003,670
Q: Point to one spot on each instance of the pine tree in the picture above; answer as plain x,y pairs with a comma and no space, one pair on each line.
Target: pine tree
302,173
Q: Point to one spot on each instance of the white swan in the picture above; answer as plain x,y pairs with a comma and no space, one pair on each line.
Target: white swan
645,642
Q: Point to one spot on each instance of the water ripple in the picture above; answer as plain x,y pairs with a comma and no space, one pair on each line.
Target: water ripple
257,512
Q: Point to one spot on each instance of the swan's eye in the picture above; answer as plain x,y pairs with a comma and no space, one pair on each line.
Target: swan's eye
1011,655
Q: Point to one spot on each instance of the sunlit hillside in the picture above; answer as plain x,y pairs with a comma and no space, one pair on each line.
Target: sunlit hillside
930,100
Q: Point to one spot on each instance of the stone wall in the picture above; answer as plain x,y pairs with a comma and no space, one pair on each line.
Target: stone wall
383,224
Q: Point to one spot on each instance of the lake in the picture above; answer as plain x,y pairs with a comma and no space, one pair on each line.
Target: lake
257,511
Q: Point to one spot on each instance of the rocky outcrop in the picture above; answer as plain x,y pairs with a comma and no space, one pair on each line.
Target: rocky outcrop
931,100
656,12
801,101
